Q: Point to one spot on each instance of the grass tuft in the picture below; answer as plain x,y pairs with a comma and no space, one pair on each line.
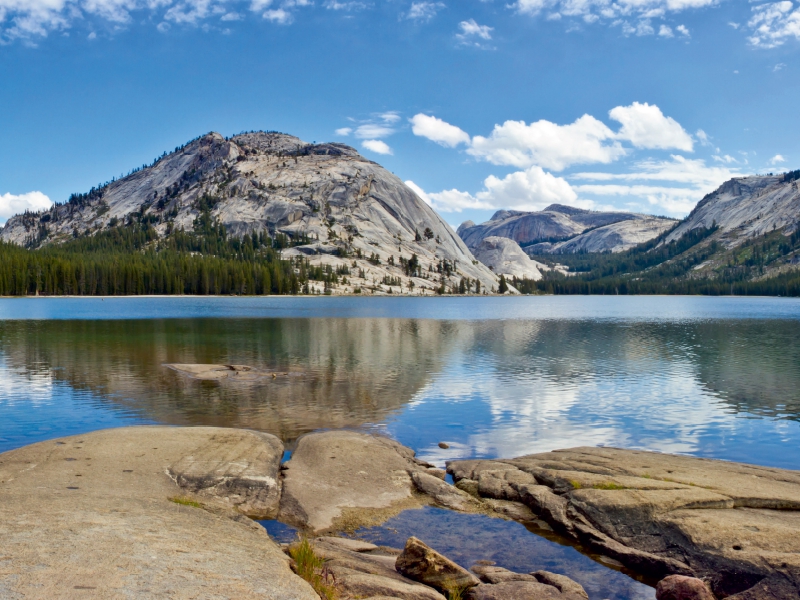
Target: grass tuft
576,485
608,485
455,591
311,567
185,501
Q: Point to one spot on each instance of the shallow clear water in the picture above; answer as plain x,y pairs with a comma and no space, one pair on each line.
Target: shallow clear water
715,377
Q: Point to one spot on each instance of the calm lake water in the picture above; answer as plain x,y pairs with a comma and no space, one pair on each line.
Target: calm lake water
493,377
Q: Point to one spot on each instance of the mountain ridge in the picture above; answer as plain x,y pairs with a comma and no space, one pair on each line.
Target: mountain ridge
335,209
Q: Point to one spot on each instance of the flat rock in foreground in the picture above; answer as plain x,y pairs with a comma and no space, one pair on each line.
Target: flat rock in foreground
346,479
92,514
732,524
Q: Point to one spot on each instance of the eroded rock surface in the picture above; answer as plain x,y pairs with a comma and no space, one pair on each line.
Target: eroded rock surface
92,515
236,466
679,587
733,524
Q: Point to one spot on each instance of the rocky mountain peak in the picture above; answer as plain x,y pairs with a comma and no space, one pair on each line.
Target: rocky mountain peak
332,206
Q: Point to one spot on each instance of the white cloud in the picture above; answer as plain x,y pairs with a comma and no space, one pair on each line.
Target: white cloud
548,145
665,31
645,126
727,159
30,19
349,6
12,204
778,158
438,131
683,30
378,146
531,189
681,182
344,131
279,15
424,11
778,67
704,138
373,130
471,29
615,13
774,23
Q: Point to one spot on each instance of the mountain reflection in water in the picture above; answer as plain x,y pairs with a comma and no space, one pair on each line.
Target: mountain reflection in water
722,388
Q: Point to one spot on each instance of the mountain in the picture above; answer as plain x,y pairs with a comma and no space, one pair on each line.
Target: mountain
323,203
558,223
747,207
742,239
614,237
504,257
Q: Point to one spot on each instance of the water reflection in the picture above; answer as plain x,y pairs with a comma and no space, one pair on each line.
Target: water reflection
489,388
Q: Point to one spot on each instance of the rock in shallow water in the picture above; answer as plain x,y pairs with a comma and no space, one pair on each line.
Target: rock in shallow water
422,563
345,479
662,514
515,590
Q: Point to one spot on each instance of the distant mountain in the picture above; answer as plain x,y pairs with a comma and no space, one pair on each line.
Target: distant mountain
747,207
322,202
558,225
504,257
742,239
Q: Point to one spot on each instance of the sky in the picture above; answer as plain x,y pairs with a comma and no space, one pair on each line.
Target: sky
479,105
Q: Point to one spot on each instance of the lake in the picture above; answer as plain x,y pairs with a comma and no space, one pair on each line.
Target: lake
492,377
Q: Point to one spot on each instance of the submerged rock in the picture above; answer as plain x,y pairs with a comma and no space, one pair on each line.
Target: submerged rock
424,564
661,514
562,583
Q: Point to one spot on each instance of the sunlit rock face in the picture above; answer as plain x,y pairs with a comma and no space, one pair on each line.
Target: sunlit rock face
746,207
567,229
345,208
505,257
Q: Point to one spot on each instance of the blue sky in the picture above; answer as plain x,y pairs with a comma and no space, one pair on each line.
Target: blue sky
641,105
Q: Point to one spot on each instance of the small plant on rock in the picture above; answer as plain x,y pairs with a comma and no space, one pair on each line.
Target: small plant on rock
311,567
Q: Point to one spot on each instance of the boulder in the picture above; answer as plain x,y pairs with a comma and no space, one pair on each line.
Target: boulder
98,512
679,587
422,563
444,494
562,583
239,467
514,590
734,525
344,479
363,574
492,574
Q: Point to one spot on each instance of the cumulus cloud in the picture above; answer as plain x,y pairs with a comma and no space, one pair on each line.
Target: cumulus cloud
377,146
424,11
774,23
344,131
472,34
531,189
438,131
777,159
546,144
14,204
645,126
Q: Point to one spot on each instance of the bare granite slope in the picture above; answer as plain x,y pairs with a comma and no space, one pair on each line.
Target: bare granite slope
346,207
746,207
558,223
505,257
